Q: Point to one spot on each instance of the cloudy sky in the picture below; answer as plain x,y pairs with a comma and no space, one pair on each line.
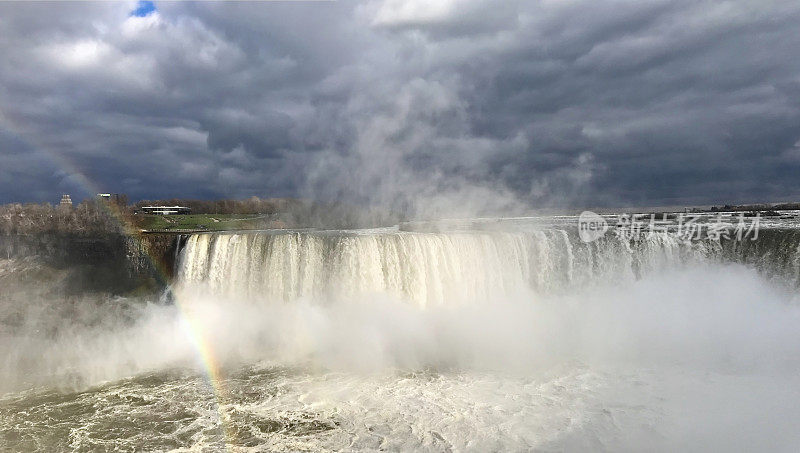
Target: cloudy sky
403,102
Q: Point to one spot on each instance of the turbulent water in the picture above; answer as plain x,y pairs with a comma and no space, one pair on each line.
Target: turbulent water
513,336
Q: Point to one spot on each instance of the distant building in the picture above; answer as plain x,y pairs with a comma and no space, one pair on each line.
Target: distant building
65,200
165,210
115,198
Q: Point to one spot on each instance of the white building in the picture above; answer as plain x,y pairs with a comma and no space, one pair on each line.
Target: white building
165,210
65,200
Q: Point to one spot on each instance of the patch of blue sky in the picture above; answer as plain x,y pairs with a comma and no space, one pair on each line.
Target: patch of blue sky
144,8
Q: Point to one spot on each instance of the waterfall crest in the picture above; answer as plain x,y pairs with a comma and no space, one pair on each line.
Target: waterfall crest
433,269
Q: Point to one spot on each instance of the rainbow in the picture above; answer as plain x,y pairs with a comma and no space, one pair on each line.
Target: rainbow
212,369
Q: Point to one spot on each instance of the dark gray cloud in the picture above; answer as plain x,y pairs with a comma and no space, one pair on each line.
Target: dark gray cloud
440,106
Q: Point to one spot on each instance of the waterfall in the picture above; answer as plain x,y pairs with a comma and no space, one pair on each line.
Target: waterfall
432,269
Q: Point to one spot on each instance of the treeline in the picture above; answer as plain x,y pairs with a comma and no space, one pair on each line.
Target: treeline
757,207
97,216
89,217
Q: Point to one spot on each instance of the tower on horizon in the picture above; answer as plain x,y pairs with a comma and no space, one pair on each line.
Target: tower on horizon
66,200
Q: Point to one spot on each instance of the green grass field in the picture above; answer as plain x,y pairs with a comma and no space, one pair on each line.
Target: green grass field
210,222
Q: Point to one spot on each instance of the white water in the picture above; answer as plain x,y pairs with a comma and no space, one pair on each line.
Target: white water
656,344
470,341
425,269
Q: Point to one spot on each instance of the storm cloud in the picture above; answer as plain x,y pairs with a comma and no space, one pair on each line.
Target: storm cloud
430,106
